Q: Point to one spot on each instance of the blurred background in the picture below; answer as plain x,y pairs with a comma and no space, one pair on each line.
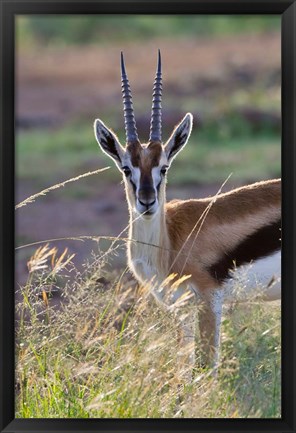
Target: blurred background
224,69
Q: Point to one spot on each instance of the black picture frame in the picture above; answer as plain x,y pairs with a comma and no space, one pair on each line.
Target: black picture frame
8,10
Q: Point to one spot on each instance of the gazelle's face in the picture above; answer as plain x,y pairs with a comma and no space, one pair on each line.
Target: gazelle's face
144,173
144,167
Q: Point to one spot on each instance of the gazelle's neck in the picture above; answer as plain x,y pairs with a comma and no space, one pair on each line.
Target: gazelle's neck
148,230
148,250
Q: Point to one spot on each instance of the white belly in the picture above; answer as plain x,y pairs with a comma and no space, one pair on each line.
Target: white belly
262,278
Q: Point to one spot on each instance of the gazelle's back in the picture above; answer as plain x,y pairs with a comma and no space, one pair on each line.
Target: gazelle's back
211,236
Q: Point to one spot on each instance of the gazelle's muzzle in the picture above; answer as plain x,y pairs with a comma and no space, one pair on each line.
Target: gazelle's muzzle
147,201
146,196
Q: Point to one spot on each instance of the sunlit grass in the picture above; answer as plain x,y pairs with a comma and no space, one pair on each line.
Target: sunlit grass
110,351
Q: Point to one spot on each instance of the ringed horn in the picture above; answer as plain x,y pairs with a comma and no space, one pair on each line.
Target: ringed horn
129,117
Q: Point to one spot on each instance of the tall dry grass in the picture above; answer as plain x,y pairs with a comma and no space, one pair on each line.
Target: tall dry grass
108,350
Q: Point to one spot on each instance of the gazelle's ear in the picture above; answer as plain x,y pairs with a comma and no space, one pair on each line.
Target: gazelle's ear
108,142
179,137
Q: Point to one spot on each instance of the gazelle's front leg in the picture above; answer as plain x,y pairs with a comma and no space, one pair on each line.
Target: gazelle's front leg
210,315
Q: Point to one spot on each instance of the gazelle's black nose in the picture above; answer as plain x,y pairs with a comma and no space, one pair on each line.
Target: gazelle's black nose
146,197
147,204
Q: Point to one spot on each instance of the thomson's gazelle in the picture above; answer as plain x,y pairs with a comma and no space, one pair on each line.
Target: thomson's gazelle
232,238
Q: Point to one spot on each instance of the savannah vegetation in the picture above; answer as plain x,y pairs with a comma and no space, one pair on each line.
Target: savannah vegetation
89,341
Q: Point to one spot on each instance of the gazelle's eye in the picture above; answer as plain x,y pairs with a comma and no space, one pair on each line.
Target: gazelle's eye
164,169
126,171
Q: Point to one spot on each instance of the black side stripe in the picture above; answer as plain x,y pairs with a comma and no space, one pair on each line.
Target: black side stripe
259,244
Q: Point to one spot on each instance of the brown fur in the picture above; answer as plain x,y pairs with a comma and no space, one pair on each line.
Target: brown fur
231,217
142,159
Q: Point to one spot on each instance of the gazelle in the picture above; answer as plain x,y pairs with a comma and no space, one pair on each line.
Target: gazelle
217,242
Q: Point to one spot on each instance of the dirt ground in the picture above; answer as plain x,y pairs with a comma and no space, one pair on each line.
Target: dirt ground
57,85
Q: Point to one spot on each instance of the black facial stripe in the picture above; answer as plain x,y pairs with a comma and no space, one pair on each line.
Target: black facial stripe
158,187
259,244
134,186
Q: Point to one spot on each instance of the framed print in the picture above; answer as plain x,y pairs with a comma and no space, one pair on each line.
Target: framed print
147,216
